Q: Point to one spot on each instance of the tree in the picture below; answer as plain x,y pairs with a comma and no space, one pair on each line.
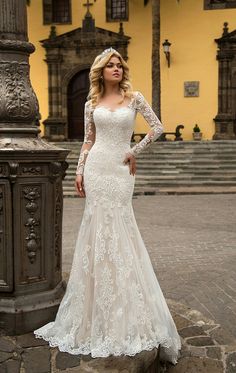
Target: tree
156,76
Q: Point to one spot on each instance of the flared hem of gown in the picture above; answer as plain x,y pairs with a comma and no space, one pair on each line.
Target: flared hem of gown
167,353
113,304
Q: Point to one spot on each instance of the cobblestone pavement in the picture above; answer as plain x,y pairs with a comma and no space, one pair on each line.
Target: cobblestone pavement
203,351
191,240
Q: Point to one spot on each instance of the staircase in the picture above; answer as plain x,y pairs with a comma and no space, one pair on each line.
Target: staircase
174,168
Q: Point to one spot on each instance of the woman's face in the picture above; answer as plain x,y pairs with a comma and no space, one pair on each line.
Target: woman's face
113,71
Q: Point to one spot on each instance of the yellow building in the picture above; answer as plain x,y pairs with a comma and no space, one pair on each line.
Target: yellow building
197,87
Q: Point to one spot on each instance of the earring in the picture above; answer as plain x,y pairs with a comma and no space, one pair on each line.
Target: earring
101,79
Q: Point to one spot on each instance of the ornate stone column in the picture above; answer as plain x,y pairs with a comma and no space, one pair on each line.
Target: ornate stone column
225,119
31,202
54,124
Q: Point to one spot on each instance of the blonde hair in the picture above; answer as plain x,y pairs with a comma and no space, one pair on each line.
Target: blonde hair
96,86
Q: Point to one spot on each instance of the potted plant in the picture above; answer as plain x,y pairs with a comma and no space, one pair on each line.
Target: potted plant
197,134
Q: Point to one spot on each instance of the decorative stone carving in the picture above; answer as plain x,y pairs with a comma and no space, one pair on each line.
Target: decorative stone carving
17,98
225,119
32,170
6,270
13,169
58,225
2,279
219,4
31,194
18,45
3,170
1,201
57,169
191,89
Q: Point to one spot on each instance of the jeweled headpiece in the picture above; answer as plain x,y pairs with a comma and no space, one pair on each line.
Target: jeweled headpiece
107,51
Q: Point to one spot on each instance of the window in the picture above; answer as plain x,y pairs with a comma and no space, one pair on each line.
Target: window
219,4
56,11
117,10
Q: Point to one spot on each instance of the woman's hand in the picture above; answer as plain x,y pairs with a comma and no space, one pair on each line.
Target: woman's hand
79,185
130,159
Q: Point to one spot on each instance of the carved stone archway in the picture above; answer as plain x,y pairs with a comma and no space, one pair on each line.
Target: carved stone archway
225,119
67,55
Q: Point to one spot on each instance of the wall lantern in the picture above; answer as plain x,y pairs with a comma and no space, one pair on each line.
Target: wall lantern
166,49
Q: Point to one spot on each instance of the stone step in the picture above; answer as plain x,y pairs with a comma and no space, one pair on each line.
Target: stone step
176,161
156,160
166,143
173,165
192,189
177,174
169,170
143,183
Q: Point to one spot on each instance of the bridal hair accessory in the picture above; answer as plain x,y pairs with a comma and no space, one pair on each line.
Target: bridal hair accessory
107,51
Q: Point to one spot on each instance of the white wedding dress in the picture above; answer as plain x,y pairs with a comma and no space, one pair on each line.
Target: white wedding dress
113,303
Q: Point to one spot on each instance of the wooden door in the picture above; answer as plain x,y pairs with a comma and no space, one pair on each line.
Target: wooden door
78,89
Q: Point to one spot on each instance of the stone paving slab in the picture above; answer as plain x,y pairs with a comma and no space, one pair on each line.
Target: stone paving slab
26,354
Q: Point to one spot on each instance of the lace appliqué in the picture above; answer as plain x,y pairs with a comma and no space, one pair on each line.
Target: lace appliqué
142,106
89,137
81,162
106,292
100,246
85,258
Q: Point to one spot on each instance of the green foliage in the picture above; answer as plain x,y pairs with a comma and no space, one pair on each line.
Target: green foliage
196,128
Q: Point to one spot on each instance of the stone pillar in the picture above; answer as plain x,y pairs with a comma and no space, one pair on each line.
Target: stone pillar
31,200
225,118
55,126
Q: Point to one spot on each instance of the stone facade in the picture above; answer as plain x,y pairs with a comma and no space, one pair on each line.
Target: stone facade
70,54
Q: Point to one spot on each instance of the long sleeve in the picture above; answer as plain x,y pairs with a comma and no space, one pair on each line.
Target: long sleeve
142,106
89,137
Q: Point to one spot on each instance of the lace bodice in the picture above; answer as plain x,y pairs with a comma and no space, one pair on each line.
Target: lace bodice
137,104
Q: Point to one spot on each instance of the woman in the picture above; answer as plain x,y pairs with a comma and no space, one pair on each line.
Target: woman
113,304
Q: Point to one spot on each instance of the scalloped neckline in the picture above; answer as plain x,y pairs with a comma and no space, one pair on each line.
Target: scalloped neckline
118,108
114,110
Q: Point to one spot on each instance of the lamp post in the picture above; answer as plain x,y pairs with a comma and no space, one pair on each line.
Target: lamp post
166,48
31,173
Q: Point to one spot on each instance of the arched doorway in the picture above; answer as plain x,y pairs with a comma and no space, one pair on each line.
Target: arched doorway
76,97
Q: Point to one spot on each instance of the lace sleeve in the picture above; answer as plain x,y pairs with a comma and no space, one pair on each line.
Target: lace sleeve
142,106
89,137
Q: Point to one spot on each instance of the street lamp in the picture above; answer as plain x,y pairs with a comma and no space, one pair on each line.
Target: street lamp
31,200
166,49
